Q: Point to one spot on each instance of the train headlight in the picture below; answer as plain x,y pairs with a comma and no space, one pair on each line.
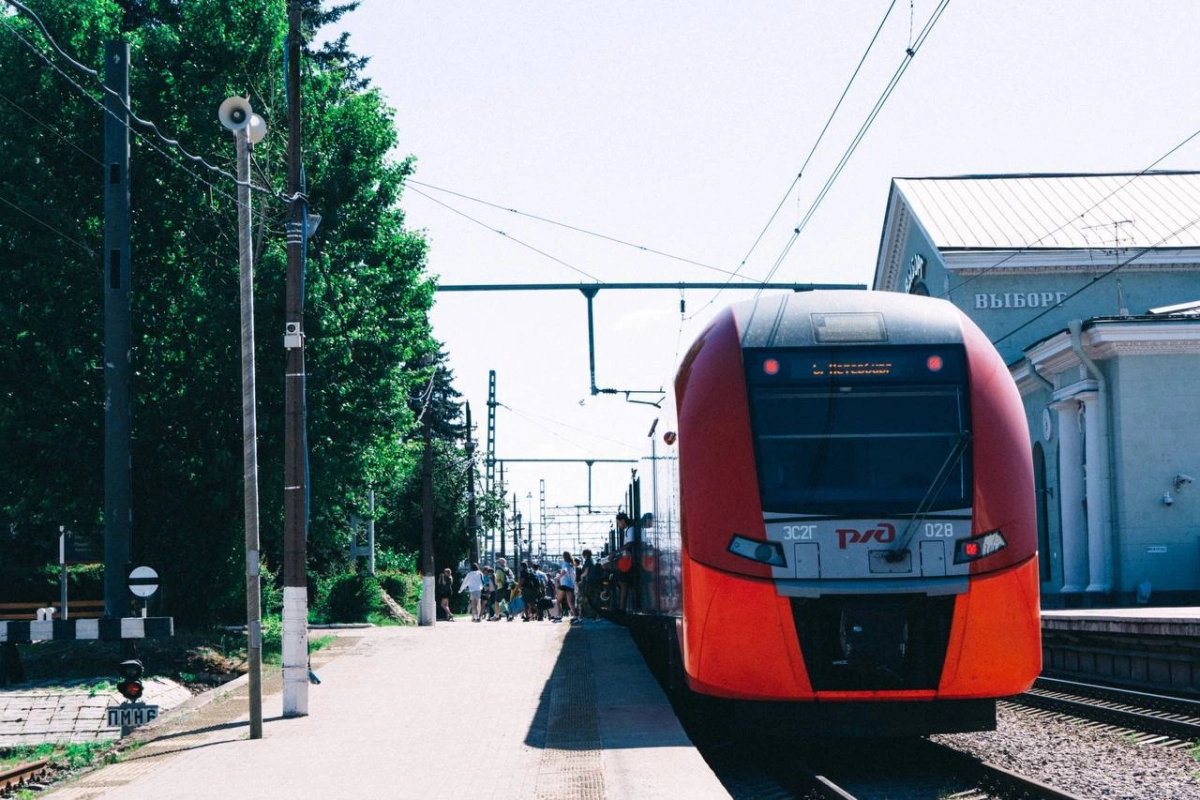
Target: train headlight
979,546
756,550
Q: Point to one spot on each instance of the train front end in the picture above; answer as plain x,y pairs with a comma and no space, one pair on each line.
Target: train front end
857,506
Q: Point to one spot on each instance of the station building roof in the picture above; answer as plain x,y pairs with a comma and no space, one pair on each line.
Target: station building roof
1043,212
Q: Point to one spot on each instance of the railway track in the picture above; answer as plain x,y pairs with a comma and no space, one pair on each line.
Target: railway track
899,769
1155,719
920,769
19,776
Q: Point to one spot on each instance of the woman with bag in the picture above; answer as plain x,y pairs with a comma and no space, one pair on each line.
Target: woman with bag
443,591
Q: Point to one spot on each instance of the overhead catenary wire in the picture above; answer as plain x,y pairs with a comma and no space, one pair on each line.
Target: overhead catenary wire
1025,248
48,226
58,134
531,417
543,253
800,172
147,124
140,136
643,248
909,54
1096,279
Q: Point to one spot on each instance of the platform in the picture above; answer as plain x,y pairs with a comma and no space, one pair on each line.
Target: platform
1155,620
1150,648
482,710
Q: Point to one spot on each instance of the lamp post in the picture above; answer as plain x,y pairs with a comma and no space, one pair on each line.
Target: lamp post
248,128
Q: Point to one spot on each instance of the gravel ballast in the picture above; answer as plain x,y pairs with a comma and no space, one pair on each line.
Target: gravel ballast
1083,758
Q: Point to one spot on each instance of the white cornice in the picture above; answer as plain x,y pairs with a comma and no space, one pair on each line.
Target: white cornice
1108,340
1000,262
895,234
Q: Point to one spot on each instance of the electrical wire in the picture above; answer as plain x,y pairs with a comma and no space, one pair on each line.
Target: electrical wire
1096,279
139,136
506,235
984,270
48,226
530,417
800,172
52,130
174,143
585,231
909,54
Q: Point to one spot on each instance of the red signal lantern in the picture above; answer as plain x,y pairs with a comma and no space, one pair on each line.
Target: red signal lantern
130,686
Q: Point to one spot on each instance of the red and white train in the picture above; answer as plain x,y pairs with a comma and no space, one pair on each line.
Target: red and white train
844,533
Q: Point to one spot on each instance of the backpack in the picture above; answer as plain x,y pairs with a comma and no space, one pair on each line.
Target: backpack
532,582
502,578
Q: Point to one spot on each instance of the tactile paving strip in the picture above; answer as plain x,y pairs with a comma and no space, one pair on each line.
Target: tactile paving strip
571,765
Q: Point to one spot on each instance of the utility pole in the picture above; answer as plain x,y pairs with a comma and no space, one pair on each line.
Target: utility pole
426,610
118,512
249,438
295,479
472,508
500,492
489,461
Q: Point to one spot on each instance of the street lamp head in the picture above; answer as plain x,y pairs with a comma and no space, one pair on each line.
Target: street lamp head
235,113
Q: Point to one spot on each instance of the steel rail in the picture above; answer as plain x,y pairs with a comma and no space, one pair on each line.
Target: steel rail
18,776
1125,713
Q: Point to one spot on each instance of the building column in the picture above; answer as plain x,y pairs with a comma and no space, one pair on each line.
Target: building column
1070,497
1097,493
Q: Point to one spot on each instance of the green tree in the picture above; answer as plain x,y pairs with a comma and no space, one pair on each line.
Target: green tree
368,294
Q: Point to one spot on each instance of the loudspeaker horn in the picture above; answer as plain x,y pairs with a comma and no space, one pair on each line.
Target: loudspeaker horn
257,129
235,113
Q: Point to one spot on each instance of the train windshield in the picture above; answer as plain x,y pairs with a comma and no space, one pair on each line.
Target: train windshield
861,430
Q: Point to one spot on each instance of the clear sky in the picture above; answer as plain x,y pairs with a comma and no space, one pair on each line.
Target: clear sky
679,127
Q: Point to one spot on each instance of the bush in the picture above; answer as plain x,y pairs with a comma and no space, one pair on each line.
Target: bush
404,587
351,597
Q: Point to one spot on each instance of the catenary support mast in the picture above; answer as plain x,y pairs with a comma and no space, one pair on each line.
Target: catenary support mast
295,479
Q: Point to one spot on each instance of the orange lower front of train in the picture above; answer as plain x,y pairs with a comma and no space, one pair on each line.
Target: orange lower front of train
740,639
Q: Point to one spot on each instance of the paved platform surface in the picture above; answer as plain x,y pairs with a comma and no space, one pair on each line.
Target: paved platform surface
1156,620
501,710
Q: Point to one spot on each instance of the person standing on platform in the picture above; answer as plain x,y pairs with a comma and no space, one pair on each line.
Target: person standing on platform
589,587
472,583
566,589
626,534
443,591
489,591
504,587
531,592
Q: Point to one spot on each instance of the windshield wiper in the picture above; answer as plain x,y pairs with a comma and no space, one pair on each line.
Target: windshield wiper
931,494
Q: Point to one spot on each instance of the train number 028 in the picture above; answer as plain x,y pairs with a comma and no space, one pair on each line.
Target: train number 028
939,530
801,533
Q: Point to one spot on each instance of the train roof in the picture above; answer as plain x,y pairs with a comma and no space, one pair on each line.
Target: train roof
823,318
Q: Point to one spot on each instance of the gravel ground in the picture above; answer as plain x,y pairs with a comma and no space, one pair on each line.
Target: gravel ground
1082,759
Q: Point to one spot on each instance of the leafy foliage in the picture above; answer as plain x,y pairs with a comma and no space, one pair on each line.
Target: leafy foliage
350,597
370,350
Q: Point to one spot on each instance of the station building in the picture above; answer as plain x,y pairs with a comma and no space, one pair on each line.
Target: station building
1089,285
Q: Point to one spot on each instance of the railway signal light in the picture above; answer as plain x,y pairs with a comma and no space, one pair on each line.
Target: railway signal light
130,685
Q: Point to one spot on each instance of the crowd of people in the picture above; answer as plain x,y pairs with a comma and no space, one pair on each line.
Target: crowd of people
571,590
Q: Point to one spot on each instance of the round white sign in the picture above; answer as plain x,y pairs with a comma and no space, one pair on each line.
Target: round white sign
143,581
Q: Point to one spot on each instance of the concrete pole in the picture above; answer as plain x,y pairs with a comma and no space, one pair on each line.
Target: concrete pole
249,436
371,532
118,513
295,471
427,607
